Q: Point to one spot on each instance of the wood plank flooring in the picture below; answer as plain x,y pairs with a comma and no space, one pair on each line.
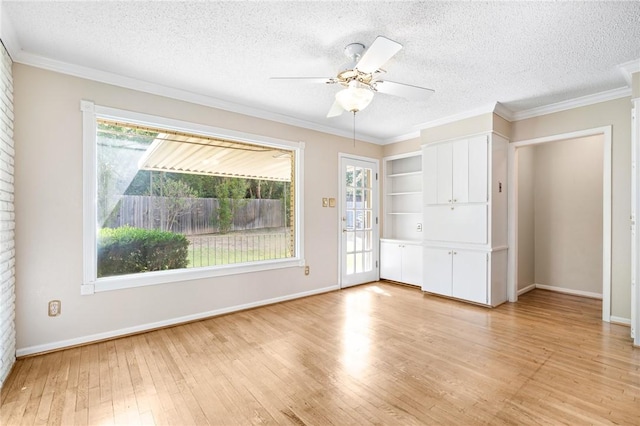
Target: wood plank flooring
373,354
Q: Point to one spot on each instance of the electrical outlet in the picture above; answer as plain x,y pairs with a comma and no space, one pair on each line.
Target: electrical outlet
419,227
306,270
54,308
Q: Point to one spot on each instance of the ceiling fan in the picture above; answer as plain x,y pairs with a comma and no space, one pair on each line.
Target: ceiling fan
360,77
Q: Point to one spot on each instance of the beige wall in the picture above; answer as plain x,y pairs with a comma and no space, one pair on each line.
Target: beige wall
48,135
526,228
615,113
468,126
568,214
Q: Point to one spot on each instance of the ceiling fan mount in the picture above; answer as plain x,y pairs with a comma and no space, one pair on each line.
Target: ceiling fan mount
360,77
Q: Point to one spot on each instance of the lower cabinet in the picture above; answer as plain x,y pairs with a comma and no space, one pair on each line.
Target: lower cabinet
462,274
401,261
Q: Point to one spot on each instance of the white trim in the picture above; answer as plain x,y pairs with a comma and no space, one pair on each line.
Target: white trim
179,94
570,291
629,68
527,289
376,209
31,350
91,284
461,116
401,138
621,321
609,95
512,266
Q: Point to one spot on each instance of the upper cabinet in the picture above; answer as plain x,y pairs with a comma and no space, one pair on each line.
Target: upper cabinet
449,175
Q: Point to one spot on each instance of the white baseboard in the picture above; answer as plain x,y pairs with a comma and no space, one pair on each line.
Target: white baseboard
620,320
47,347
526,289
570,291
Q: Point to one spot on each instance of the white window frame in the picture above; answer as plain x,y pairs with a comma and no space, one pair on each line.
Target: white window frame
91,284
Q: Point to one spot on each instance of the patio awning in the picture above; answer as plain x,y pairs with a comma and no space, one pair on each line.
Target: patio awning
217,157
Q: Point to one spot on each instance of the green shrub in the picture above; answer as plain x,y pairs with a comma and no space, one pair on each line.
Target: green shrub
128,250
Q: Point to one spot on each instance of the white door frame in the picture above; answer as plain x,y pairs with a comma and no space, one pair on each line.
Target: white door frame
376,209
512,265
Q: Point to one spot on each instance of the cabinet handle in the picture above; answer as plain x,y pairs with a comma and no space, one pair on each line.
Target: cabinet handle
455,201
449,252
452,207
455,252
449,200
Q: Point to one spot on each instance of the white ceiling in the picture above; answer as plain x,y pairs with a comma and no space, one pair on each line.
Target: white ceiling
523,55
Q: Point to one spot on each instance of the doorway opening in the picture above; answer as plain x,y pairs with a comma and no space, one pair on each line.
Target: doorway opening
549,245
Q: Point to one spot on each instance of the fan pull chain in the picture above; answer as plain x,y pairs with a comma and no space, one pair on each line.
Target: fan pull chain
354,128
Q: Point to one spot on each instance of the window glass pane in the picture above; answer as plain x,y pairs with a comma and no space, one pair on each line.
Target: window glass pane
231,202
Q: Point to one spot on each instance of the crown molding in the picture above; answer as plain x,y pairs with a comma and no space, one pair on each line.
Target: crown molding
609,95
178,94
629,68
401,138
490,108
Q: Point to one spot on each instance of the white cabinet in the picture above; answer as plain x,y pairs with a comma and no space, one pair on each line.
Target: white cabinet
401,245
401,261
457,273
456,172
465,218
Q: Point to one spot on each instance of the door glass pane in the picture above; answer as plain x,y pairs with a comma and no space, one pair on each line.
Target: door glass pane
359,240
351,264
366,198
351,247
359,263
359,181
350,200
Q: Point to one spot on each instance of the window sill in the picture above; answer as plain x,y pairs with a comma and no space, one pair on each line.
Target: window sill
165,277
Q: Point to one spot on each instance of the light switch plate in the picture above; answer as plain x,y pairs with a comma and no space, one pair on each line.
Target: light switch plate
332,202
325,202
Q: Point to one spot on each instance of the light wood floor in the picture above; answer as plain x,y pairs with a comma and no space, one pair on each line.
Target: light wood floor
373,354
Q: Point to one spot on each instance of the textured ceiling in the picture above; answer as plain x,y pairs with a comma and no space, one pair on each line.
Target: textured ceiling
521,54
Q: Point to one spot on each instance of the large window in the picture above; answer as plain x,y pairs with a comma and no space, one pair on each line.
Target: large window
168,201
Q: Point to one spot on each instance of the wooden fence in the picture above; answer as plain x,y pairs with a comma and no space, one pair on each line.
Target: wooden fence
194,216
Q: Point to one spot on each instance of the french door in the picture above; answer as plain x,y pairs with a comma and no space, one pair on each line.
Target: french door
358,220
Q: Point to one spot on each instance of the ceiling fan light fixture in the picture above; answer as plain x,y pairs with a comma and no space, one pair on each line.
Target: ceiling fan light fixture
354,98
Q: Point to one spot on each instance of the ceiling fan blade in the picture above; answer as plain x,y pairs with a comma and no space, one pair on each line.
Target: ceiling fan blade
407,91
335,110
326,80
381,50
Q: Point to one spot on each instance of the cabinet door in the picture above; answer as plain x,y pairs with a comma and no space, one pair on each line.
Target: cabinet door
478,169
469,280
460,171
390,261
444,173
412,264
437,271
456,223
430,174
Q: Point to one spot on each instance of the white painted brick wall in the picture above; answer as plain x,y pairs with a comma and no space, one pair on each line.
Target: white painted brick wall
7,221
